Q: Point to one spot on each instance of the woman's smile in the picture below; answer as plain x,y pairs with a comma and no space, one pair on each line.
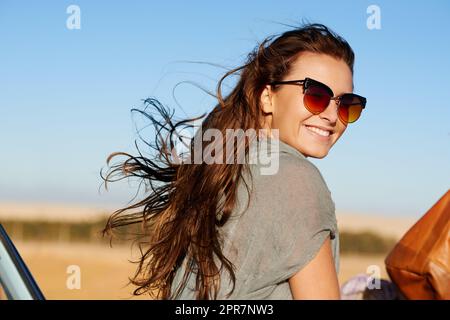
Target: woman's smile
317,131
318,134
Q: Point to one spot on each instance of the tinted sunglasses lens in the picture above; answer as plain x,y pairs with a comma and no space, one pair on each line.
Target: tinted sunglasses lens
350,108
316,98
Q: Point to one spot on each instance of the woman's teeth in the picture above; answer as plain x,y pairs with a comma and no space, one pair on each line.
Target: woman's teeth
321,132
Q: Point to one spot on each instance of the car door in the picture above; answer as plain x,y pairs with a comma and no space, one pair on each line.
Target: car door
16,281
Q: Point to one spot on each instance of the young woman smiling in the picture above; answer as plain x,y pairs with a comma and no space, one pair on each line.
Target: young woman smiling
221,230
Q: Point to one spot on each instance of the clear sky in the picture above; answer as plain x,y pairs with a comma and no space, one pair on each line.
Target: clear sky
66,95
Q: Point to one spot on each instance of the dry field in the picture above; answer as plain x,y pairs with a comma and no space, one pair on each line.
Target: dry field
105,270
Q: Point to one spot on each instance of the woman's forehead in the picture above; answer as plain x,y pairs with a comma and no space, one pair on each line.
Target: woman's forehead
333,72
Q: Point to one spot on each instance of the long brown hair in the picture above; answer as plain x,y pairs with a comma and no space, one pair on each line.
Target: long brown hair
188,203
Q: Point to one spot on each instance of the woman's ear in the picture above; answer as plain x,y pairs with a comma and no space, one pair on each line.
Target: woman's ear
266,100
267,109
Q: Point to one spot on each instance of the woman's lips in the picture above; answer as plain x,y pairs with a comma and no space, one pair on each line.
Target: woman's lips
319,134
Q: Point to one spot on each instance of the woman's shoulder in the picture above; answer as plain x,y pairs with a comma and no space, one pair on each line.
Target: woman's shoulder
289,186
288,169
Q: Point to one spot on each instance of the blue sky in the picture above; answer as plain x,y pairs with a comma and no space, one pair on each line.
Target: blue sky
66,95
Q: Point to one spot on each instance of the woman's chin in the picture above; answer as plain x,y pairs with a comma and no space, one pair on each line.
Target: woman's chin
318,152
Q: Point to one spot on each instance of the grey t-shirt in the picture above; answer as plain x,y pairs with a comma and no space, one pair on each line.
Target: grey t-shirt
290,215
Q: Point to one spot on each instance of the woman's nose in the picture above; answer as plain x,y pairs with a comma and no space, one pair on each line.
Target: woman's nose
331,112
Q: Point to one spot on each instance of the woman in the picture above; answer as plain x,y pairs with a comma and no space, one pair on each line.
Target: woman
226,230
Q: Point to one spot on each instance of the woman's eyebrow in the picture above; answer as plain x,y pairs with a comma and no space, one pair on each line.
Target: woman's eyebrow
353,88
343,92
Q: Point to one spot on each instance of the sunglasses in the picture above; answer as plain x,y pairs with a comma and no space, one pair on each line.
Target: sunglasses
317,97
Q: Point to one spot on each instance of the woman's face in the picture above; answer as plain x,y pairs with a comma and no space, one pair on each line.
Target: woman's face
289,115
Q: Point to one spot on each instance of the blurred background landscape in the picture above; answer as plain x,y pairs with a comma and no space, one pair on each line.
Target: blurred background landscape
53,237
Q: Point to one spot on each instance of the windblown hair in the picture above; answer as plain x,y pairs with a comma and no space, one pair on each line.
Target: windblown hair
180,218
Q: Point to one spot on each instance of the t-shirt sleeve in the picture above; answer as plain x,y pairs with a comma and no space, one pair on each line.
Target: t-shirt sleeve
297,215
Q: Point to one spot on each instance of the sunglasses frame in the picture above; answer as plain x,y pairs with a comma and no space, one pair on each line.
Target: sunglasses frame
305,83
